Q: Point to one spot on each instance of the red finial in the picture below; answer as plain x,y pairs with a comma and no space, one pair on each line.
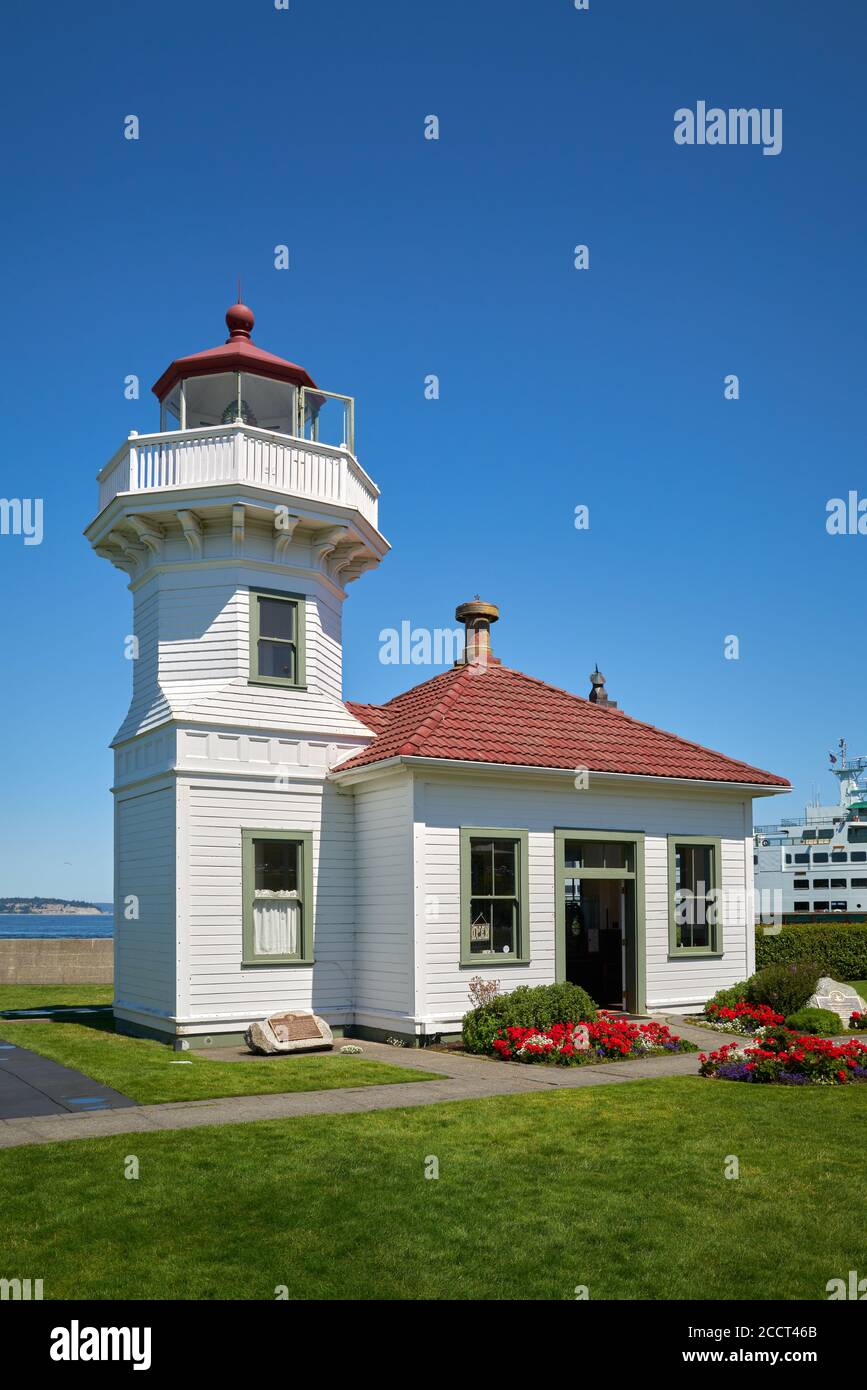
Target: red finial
239,319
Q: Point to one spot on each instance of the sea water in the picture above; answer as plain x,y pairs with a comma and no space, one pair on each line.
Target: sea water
52,924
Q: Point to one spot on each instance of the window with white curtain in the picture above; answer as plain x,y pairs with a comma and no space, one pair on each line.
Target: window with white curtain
275,878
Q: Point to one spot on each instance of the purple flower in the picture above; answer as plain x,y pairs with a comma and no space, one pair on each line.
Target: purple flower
734,1071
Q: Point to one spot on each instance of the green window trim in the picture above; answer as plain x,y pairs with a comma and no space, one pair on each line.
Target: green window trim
521,956
304,840
716,950
299,606
636,955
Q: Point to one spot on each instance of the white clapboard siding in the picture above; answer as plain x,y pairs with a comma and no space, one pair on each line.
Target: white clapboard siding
193,630
384,898
446,805
216,986
144,949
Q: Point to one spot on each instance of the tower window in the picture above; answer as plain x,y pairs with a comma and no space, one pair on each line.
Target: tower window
277,892
276,637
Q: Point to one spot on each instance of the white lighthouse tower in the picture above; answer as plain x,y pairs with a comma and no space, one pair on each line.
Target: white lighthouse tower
239,523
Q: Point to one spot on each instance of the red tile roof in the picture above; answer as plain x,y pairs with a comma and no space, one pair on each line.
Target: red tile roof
492,714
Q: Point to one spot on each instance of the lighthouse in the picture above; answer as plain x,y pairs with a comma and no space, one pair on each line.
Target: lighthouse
240,523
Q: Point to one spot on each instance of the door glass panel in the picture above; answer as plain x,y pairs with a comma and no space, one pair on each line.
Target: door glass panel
594,918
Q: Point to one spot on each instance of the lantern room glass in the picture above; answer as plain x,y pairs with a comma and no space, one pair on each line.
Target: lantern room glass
205,402
273,403
228,398
328,417
211,400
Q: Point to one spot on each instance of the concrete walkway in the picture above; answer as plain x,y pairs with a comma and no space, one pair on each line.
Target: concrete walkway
462,1078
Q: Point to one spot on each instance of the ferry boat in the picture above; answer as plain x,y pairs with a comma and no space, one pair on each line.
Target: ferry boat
817,863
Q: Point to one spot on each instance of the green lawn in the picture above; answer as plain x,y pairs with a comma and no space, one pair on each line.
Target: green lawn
53,996
621,1188
150,1072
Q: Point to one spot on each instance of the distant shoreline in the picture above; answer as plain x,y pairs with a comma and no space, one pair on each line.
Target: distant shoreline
51,907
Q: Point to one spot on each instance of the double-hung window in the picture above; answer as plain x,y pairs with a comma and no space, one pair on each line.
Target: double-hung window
695,898
494,899
277,888
276,638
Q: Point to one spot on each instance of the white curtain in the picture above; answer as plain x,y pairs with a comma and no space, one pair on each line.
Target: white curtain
275,926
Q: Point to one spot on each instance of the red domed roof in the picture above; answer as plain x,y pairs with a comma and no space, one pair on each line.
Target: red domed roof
237,354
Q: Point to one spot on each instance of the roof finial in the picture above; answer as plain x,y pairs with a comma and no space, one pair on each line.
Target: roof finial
598,694
239,319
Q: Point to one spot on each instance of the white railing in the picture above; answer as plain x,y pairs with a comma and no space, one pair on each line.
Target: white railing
239,454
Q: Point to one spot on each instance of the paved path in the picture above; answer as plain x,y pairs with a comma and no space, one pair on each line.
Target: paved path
462,1078
32,1085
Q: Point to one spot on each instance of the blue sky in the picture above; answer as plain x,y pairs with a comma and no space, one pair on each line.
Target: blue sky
409,257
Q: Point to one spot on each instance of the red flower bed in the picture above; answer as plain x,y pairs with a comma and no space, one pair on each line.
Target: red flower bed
791,1060
610,1038
743,1017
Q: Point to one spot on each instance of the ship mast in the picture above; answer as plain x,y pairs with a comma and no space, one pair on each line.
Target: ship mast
849,773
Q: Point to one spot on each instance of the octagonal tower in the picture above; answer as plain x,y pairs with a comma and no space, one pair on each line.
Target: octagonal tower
240,524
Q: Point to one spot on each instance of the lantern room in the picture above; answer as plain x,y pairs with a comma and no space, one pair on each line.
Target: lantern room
240,383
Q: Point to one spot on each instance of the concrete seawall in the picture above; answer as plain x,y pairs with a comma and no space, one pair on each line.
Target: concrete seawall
67,960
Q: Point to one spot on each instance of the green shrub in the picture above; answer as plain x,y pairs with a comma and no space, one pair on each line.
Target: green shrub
823,1022
786,986
727,998
526,1007
838,948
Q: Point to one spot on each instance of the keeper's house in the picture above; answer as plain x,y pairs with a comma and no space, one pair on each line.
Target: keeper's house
277,847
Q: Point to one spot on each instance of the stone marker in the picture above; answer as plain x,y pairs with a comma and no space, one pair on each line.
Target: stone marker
581,1037
840,999
289,1032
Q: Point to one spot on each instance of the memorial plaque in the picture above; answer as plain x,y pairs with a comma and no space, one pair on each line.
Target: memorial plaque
840,998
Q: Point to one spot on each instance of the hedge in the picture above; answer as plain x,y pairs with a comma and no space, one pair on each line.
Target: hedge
528,1006
839,948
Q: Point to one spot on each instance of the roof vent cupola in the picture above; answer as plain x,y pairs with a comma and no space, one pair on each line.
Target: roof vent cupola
477,618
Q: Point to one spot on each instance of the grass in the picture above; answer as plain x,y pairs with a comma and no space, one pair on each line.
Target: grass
53,996
621,1188
150,1072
